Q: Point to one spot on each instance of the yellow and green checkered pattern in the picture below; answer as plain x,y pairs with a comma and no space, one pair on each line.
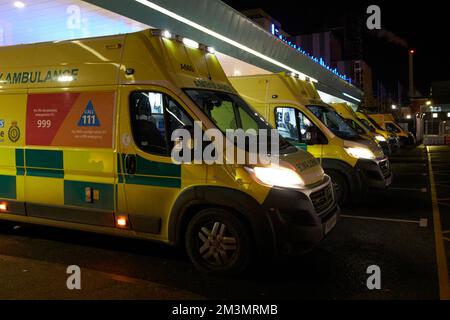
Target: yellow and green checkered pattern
40,175
60,177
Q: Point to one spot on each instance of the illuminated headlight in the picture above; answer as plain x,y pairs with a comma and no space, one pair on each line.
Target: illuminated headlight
277,176
380,138
359,153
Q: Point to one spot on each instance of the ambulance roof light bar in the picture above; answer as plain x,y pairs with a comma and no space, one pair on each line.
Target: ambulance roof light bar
186,41
297,76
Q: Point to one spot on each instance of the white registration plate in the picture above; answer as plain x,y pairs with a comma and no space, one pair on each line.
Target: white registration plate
329,225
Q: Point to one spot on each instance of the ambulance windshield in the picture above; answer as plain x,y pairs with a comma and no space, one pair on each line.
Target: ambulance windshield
334,122
229,111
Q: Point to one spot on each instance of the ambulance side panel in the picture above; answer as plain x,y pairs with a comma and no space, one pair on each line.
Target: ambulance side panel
70,166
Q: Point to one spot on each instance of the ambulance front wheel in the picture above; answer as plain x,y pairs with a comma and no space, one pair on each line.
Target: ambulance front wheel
217,241
341,186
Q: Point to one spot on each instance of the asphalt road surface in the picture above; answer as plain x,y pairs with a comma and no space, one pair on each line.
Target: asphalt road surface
399,230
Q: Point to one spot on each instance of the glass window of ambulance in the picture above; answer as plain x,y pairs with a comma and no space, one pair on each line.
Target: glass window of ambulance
154,117
375,124
227,111
297,128
356,126
368,124
333,121
392,127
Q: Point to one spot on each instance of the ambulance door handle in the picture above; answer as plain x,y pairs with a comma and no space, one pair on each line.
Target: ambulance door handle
130,164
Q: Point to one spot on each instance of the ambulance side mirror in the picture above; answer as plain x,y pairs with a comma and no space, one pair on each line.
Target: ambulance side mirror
314,136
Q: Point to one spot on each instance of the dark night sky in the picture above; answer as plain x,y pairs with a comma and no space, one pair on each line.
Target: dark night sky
424,27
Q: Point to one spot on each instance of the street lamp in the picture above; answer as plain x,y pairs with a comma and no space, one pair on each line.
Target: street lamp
394,107
411,73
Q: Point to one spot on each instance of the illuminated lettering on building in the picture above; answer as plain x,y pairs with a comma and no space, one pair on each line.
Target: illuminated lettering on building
320,61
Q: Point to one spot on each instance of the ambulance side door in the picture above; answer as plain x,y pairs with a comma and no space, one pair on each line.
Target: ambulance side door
147,174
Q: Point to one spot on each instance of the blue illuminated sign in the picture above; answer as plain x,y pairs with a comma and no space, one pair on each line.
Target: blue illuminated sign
276,32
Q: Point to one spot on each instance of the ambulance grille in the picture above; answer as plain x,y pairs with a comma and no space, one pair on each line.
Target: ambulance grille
322,200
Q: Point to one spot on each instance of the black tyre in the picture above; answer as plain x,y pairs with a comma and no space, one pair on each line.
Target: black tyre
341,186
218,242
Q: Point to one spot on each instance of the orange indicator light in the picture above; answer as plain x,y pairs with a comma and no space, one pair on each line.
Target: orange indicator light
121,222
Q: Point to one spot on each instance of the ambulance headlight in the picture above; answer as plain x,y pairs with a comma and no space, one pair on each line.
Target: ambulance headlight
359,153
277,176
380,138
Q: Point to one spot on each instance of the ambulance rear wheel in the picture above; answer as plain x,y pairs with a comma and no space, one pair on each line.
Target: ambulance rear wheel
217,241
341,187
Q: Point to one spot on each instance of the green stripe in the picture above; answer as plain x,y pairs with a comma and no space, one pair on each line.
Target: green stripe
301,145
51,159
20,171
19,158
153,181
147,167
8,187
75,195
45,173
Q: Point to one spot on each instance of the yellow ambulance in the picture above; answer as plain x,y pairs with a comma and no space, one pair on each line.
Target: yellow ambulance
352,120
294,107
406,137
392,139
390,126
86,144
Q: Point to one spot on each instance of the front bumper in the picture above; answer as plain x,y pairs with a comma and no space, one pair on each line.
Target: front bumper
375,173
296,224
